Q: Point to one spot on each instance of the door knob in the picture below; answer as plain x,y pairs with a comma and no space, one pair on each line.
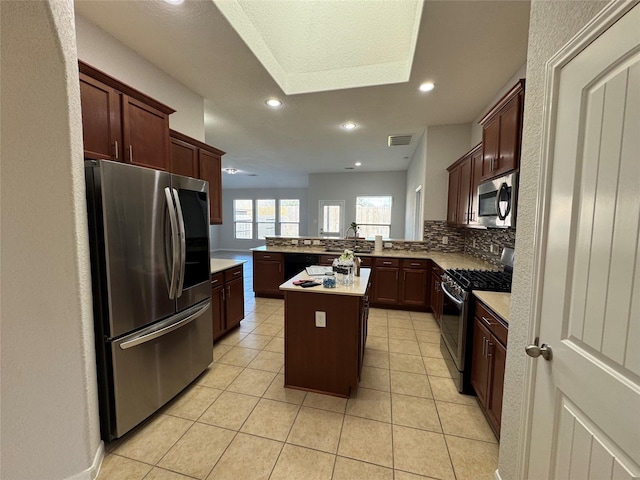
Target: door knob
536,351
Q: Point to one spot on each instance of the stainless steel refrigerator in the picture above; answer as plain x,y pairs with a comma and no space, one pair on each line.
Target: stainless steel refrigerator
150,267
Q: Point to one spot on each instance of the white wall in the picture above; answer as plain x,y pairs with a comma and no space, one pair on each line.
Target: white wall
104,52
224,240
346,186
49,419
416,176
445,144
552,24
476,128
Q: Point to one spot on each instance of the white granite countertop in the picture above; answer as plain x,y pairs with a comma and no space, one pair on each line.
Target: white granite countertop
359,287
444,260
497,301
220,264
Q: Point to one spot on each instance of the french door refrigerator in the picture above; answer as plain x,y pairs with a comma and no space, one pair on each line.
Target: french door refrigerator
150,267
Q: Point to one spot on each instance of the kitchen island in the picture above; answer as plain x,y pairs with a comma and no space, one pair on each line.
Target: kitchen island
325,331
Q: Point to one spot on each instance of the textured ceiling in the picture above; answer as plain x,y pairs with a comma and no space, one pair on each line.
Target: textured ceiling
469,49
312,46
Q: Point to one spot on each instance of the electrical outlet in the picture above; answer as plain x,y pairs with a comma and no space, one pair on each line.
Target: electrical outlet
493,248
474,243
321,319
445,240
388,245
294,242
316,242
307,242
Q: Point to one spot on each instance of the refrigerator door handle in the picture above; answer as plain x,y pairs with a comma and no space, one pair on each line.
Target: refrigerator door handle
147,336
174,243
183,247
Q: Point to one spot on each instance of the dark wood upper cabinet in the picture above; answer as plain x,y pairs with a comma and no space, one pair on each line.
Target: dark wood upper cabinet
502,134
121,123
463,185
196,159
101,124
184,158
145,134
211,170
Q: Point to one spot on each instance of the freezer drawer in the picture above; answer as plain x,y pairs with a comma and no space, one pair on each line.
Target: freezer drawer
151,367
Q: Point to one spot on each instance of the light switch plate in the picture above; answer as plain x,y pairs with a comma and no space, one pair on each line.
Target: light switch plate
321,319
388,245
445,240
316,242
294,242
307,242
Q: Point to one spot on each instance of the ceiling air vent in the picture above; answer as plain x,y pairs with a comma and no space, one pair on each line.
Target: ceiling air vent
399,140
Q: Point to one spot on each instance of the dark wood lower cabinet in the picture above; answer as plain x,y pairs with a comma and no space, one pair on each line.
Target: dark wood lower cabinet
227,300
488,363
268,274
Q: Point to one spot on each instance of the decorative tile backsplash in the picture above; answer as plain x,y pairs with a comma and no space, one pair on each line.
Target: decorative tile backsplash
474,242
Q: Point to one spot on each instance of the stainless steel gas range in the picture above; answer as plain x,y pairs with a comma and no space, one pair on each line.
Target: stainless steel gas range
456,333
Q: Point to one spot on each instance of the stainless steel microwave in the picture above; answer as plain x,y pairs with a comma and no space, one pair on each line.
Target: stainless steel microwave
497,202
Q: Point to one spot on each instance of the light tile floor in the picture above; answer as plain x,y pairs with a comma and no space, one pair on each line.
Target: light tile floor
406,421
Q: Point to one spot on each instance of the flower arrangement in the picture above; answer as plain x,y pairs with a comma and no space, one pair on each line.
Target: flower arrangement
346,256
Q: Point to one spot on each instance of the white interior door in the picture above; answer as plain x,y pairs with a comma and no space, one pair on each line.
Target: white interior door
331,218
585,421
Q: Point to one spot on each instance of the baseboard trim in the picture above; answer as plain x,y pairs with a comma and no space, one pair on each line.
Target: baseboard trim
91,473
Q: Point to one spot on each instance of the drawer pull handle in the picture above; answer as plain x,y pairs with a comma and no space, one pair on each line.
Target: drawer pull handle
386,263
487,321
415,264
236,273
266,256
215,281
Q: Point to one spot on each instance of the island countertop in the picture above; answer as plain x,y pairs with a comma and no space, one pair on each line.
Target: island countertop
220,264
358,288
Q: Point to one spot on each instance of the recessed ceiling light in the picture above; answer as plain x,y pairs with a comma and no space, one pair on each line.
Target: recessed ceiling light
174,2
349,126
231,171
274,102
358,164
427,87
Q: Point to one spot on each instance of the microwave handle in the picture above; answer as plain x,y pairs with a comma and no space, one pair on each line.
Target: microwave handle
503,187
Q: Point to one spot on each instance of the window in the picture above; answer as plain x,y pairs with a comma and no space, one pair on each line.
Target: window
289,217
373,215
266,218
243,218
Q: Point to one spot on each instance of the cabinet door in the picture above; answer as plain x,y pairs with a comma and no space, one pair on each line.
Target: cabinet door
464,190
217,310
490,146
414,287
184,158
101,129
498,360
452,201
145,134
509,138
476,177
267,276
211,171
234,303
480,361
386,288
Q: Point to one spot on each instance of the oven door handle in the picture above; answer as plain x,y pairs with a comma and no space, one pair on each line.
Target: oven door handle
448,294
